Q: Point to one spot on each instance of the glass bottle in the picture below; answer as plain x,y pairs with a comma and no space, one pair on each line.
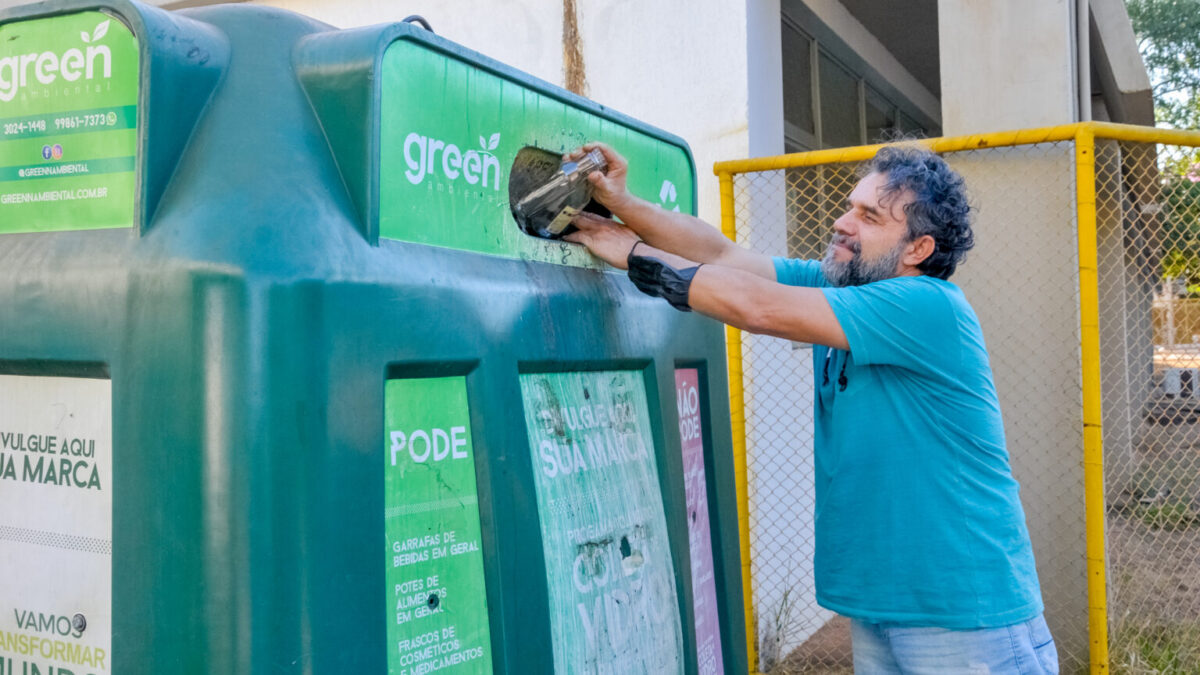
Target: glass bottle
547,211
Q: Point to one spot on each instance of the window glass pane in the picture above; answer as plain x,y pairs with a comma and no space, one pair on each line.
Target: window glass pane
791,145
797,79
911,128
881,117
839,105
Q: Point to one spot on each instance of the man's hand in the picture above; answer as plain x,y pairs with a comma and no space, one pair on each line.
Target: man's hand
684,235
608,187
606,239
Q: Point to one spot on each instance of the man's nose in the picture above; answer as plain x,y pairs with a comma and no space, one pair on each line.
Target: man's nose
844,225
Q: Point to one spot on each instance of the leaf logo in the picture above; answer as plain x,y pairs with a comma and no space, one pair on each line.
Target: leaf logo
101,30
667,194
490,143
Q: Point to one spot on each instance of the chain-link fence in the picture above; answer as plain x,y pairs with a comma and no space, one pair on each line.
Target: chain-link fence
1148,222
1025,282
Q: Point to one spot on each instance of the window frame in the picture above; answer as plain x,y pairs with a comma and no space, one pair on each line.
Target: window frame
797,139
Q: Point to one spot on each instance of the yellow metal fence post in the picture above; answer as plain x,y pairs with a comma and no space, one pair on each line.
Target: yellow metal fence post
737,422
1093,450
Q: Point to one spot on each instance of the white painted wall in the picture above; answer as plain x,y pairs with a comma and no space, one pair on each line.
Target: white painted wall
675,64
1006,65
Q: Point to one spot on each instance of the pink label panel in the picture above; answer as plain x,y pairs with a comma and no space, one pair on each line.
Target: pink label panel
704,588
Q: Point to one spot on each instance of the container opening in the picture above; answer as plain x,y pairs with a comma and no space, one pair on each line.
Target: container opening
533,169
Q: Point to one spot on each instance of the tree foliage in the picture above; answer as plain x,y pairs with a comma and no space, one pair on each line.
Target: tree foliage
1180,207
1168,33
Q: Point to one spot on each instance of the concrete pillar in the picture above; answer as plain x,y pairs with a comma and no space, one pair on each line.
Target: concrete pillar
1022,279
1006,65
1011,65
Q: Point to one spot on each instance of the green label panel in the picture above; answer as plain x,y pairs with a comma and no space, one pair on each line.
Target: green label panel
609,569
68,123
449,135
436,601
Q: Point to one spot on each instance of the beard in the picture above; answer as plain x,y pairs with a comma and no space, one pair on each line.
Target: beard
856,271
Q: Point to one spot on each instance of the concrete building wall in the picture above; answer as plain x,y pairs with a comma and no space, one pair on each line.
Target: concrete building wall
1006,65
1013,65
1022,280
1126,293
764,78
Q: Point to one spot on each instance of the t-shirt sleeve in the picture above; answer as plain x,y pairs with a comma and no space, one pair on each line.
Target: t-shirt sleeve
793,272
907,322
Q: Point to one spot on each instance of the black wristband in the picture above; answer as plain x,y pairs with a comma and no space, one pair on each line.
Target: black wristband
629,258
658,279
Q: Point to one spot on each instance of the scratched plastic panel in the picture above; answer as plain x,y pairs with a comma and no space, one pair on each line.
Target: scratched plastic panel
609,573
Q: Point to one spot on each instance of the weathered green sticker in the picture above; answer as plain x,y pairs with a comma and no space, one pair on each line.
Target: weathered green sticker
436,601
449,135
609,568
68,123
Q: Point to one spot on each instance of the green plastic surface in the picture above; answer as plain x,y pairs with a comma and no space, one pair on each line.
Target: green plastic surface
250,321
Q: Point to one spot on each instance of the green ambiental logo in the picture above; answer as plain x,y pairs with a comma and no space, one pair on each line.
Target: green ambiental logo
72,64
473,166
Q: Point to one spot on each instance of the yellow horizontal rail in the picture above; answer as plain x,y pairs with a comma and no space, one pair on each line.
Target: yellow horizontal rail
1064,132
1134,133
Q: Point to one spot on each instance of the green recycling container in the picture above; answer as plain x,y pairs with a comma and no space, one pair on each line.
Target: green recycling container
284,387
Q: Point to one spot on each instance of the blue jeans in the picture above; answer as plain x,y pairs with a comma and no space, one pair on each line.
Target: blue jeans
1024,648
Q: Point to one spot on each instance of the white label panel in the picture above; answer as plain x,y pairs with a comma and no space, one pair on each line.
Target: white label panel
55,525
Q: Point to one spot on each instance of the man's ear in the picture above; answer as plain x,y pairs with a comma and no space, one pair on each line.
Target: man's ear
918,250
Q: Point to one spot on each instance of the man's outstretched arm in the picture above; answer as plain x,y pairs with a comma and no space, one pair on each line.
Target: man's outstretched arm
733,296
679,233
757,305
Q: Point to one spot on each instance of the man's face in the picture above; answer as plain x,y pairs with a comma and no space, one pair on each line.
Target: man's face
870,239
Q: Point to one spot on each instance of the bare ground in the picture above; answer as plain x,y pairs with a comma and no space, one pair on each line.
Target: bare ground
1153,544
827,651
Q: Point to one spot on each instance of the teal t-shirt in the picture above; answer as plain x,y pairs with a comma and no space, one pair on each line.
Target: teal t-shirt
918,519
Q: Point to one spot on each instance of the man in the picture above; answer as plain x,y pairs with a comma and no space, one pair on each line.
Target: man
920,535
